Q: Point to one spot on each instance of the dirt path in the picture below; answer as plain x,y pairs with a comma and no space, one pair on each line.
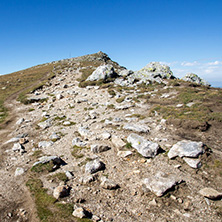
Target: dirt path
15,200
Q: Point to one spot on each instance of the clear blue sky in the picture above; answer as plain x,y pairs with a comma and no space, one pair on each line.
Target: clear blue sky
186,34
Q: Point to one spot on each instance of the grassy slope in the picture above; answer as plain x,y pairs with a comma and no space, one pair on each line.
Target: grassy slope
21,82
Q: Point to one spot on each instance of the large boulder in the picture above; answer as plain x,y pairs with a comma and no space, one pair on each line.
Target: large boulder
144,147
102,72
154,72
194,78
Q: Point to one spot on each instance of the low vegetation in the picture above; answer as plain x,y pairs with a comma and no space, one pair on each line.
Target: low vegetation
20,83
48,209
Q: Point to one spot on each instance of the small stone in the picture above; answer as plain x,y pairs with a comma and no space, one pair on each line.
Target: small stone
108,184
180,200
45,144
87,179
106,135
69,175
79,212
95,218
20,121
153,202
67,123
19,171
99,148
210,193
59,96
17,147
124,154
78,142
118,142
54,136
61,191
94,166
173,197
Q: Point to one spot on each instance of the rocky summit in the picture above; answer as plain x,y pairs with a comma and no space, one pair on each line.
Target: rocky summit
93,141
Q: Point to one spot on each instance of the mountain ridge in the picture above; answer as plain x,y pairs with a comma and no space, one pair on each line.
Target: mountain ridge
109,152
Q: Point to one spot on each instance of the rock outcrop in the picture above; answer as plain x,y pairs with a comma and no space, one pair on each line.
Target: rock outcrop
194,78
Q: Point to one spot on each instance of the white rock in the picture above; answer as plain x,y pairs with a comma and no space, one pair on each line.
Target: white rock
210,193
20,121
79,212
99,148
88,178
194,163
108,184
139,128
118,142
45,144
94,166
102,72
17,147
124,154
66,123
19,171
161,182
78,142
61,191
144,147
106,135
186,148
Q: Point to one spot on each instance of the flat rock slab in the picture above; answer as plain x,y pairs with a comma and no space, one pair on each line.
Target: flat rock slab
144,147
186,148
124,154
210,193
139,128
161,182
44,144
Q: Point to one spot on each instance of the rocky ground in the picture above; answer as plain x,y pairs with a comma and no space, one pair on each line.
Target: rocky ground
105,155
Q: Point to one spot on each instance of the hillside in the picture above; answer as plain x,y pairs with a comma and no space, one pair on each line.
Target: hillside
85,137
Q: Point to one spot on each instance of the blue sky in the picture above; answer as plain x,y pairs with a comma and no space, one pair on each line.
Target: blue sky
185,34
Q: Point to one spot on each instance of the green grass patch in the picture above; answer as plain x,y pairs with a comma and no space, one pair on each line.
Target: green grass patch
121,99
111,92
31,109
76,152
58,177
48,209
43,167
37,153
